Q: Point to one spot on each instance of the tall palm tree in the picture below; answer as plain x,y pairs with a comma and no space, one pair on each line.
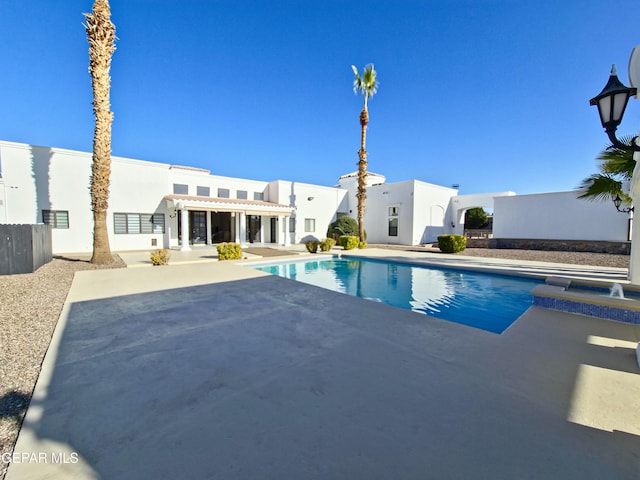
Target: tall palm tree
101,34
615,168
368,86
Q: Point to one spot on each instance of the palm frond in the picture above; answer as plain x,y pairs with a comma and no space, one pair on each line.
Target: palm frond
370,81
615,161
601,187
357,82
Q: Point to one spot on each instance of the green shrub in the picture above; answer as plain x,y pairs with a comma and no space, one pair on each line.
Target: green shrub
344,226
312,246
327,244
229,251
362,244
349,242
160,257
452,243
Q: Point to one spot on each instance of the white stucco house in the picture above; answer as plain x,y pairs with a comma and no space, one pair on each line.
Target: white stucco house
156,205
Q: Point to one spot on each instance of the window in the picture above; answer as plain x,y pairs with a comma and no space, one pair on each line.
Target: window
130,223
56,218
223,193
393,227
309,225
258,196
202,191
393,221
292,225
241,194
180,189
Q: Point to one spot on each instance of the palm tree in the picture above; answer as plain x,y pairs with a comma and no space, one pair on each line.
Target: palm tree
615,168
101,34
368,86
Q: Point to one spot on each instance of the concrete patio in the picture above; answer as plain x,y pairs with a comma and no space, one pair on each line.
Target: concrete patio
206,369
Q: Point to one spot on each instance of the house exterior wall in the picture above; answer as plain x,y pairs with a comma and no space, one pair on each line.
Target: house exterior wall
557,216
430,216
34,179
314,202
41,178
196,177
421,209
138,187
350,183
376,220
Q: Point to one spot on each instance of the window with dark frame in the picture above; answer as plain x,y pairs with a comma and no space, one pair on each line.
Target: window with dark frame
223,193
56,218
138,223
393,221
241,195
258,195
393,226
292,225
180,189
203,191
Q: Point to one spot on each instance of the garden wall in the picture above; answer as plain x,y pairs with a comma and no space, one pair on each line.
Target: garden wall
620,248
558,216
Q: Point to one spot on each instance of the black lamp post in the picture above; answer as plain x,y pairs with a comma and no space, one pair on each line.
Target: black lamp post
611,102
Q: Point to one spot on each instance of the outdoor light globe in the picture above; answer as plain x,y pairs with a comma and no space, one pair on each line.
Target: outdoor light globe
612,101
617,201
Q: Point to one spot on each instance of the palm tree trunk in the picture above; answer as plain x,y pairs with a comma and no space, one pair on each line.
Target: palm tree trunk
362,171
101,37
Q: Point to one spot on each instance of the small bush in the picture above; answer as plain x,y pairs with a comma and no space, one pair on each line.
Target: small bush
312,246
362,244
160,257
327,244
229,251
349,242
452,243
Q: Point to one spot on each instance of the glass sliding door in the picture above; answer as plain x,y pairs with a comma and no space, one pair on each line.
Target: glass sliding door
254,225
274,230
198,228
222,227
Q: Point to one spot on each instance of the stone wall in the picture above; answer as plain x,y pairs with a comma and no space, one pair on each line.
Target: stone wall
595,246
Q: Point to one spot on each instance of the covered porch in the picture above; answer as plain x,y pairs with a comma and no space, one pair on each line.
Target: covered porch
211,220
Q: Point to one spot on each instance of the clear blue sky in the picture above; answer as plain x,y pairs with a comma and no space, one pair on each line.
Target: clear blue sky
490,94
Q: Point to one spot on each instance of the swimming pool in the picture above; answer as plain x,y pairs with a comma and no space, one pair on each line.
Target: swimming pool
481,300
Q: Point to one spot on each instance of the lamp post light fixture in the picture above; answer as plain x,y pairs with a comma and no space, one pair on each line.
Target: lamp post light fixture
617,202
612,102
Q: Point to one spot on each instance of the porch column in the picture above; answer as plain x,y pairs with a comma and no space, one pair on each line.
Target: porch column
285,227
243,229
279,240
184,232
208,219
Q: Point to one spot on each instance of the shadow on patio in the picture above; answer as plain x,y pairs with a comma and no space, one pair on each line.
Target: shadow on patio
269,378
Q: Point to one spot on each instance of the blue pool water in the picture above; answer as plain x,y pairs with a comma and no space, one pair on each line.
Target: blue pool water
486,301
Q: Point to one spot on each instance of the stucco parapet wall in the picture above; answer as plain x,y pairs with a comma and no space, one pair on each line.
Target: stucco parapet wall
190,169
355,174
253,207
